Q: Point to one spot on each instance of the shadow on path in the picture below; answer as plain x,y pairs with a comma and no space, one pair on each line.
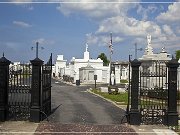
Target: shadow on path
54,109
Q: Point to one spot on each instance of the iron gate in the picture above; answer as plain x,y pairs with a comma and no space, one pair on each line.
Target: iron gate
153,92
46,89
19,92
25,90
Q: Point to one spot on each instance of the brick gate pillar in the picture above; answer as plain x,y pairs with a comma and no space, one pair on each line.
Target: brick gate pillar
4,84
172,115
134,114
36,90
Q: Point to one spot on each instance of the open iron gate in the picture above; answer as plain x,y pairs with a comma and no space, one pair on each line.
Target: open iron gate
46,89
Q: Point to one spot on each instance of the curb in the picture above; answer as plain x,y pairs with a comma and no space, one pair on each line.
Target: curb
114,103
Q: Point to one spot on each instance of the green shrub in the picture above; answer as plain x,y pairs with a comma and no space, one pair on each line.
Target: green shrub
123,81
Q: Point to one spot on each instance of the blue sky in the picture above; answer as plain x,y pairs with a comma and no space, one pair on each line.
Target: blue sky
64,28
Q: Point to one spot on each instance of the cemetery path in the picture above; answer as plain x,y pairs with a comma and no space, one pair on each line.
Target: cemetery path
78,106
82,113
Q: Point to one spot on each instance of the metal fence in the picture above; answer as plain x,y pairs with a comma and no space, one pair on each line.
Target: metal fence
25,90
153,92
19,95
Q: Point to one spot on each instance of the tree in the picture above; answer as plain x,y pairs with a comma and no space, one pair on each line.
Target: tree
103,57
178,54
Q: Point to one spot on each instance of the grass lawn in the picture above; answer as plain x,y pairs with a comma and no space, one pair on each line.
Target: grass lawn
121,98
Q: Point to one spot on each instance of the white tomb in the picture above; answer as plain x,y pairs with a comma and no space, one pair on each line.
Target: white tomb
150,56
60,66
155,64
84,69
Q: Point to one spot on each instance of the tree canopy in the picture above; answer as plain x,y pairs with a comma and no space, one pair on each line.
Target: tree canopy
178,54
103,57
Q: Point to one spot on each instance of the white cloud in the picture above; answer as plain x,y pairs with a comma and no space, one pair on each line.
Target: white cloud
167,29
113,17
135,31
130,30
178,30
142,11
102,40
167,42
96,10
152,8
91,39
21,24
100,12
128,27
170,26
171,15
145,11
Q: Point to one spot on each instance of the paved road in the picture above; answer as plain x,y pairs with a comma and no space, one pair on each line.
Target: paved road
80,107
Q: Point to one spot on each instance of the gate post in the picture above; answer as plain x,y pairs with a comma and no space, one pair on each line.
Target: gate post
4,84
172,115
134,114
36,90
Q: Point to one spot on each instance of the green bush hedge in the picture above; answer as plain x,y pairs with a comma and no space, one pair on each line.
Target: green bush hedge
123,81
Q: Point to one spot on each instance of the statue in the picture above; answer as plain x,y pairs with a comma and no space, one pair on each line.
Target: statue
86,47
149,49
112,78
149,39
